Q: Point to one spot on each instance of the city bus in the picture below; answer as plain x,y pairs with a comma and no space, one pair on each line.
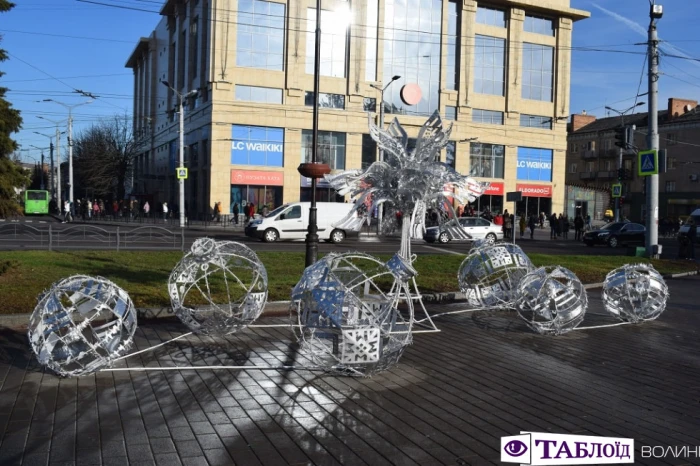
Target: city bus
36,202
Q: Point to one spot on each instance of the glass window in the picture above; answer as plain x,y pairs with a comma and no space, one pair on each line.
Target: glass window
369,104
535,121
450,113
573,168
539,25
489,117
294,212
489,65
370,33
486,160
257,145
451,153
670,186
451,78
331,148
266,95
325,100
538,74
334,26
490,16
412,36
260,35
369,151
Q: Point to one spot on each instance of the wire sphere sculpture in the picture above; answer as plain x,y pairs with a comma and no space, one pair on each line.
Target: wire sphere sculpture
218,288
348,323
551,300
490,274
81,325
635,293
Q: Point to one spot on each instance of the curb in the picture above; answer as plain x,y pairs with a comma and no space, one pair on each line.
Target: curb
281,308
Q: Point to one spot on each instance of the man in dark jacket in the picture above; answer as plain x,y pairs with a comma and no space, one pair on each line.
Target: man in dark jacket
578,226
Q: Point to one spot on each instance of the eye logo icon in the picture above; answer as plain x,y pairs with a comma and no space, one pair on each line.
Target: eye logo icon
515,448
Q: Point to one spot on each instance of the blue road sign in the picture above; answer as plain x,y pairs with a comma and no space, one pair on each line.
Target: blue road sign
617,190
648,163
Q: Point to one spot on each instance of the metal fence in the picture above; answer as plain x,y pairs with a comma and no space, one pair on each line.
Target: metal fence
91,237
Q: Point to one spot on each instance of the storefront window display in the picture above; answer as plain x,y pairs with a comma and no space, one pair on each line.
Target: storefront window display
259,196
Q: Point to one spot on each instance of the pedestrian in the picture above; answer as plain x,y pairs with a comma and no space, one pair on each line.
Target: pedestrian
95,209
578,227
542,220
588,222
565,228
560,225
235,213
66,212
89,209
217,211
532,224
165,211
146,209
522,225
553,222
507,226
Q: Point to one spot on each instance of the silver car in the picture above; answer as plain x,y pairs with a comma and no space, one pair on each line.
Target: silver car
475,227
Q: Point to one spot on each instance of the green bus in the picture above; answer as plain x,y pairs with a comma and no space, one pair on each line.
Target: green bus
36,202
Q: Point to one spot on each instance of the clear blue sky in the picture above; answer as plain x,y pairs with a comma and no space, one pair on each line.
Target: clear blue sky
57,46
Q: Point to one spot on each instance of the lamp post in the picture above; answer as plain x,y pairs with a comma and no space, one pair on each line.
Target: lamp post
43,186
181,181
53,173
70,142
621,152
58,157
381,125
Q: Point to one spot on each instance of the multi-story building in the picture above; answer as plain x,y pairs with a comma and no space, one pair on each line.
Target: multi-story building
593,162
500,70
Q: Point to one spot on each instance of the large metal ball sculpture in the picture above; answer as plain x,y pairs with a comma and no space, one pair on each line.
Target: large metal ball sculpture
490,274
346,309
551,300
635,293
218,288
81,325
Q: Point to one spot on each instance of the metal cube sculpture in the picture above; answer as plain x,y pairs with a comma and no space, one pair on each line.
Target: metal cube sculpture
551,300
635,293
347,317
81,325
490,274
218,288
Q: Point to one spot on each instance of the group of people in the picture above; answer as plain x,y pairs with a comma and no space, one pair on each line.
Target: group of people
248,211
99,209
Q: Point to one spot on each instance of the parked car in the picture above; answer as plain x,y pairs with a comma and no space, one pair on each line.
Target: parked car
477,228
616,234
693,219
291,221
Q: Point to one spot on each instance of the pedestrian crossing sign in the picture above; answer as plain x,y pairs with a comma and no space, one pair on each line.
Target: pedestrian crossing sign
181,173
617,190
648,163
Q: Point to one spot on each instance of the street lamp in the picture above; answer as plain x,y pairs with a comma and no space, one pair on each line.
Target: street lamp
53,173
381,125
621,151
42,164
181,181
57,184
70,142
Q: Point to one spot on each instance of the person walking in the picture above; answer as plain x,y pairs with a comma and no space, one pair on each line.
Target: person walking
578,227
522,225
165,211
146,209
66,212
542,220
553,222
507,226
565,227
217,212
588,222
532,223
235,213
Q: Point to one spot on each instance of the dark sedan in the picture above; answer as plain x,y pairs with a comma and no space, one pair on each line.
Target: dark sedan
616,234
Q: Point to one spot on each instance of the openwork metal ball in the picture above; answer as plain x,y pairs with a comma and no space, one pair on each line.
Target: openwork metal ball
551,300
490,274
81,325
635,293
348,321
219,287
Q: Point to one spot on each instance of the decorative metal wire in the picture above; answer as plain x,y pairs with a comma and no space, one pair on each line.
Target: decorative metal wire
218,288
635,293
551,300
81,325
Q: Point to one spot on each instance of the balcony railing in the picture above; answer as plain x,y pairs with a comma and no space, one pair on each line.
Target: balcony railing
588,175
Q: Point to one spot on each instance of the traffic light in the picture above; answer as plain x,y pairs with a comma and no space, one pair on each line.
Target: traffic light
620,174
621,137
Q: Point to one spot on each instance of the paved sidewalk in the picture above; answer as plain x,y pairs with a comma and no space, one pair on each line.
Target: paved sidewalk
451,398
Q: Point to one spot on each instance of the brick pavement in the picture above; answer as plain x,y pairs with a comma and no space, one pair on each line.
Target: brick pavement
449,400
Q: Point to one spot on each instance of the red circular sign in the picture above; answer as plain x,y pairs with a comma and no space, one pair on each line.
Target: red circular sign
411,94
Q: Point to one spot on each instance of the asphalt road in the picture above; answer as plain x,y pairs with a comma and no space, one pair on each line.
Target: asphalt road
26,237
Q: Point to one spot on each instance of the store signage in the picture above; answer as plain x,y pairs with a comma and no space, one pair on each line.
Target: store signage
257,145
534,190
257,178
534,164
495,189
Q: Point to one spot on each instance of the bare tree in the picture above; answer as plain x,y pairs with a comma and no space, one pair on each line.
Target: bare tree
104,156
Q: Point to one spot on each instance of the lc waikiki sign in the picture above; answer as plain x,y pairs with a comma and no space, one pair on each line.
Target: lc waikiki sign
534,164
257,145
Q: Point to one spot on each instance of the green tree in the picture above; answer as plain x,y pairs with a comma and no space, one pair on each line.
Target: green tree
12,176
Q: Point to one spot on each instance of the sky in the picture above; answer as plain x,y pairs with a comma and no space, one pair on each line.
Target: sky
59,46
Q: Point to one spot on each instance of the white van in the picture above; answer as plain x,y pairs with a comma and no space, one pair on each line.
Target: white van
291,221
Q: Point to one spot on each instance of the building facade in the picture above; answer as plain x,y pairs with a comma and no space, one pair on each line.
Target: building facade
499,70
593,162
